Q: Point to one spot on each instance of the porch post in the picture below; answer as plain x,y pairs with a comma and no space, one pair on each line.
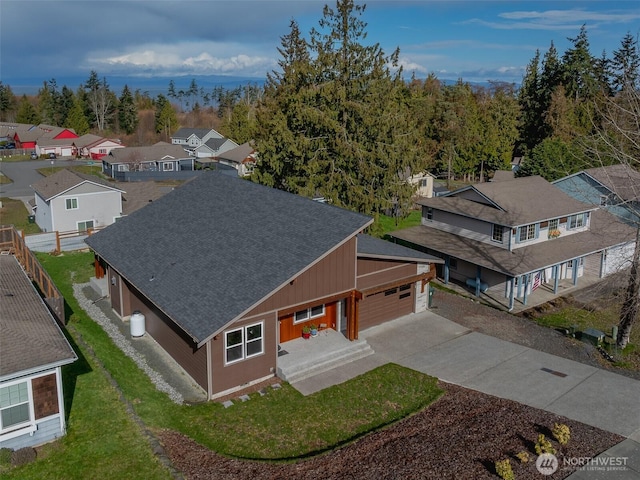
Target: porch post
556,278
575,271
512,282
478,272
446,270
526,288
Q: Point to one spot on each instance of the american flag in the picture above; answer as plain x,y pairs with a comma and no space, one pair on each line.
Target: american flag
536,281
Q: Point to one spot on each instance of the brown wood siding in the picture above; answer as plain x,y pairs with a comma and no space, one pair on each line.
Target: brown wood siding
45,396
378,272
333,274
383,306
290,331
226,377
172,339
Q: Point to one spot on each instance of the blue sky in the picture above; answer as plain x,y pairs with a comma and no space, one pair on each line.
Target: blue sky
473,40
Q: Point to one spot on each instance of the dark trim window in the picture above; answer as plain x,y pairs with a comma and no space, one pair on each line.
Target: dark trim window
244,342
496,233
308,314
453,263
429,213
71,203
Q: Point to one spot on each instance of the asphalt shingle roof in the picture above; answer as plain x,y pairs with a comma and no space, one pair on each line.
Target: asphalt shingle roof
63,180
215,247
369,246
30,338
515,202
621,179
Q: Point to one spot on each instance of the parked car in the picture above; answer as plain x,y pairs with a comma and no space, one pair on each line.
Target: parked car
52,156
34,156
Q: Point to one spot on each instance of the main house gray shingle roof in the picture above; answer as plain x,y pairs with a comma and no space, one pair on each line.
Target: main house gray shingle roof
153,153
369,246
29,335
212,249
511,203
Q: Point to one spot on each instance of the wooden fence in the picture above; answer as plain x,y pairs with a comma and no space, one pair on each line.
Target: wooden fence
12,243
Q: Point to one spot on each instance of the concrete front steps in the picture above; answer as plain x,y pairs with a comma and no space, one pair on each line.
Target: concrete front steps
328,350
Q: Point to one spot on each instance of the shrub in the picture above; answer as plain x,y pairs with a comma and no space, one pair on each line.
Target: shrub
544,446
561,433
503,469
523,457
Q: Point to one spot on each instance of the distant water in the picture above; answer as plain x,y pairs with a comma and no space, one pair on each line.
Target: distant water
152,85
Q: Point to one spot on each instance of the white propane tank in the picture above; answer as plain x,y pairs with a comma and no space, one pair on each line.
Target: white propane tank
137,324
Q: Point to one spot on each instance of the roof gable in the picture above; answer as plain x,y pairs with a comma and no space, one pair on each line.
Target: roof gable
63,181
215,247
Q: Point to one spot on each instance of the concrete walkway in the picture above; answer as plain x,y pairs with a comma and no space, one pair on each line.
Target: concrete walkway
436,346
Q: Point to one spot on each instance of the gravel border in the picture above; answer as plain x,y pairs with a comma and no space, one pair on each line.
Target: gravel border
123,342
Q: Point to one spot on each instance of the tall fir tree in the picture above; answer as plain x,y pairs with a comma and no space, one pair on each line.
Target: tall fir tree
127,111
625,65
76,117
27,113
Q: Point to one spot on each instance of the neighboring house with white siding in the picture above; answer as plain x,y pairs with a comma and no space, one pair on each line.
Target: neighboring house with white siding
68,201
33,350
509,238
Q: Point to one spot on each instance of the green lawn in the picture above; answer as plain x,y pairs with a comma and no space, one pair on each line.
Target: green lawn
14,212
389,224
282,425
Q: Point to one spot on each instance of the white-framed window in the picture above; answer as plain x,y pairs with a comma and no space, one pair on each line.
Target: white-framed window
71,204
577,221
167,166
527,232
244,342
308,314
84,226
553,224
123,167
496,233
15,406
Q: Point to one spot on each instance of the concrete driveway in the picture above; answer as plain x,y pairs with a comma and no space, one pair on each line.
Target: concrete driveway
439,347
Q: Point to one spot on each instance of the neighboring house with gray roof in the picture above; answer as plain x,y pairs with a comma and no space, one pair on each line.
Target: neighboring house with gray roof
242,158
70,201
227,271
510,237
192,138
214,147
33,350
161,158
615,188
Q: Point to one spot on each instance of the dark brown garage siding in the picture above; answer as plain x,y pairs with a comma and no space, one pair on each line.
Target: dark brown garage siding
384,306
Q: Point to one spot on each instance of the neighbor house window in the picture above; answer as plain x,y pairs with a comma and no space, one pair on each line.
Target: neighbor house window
429,213
527,232
14,405
308,314
496,233
553,224
453,263
84,226
243,343
71,203
167,166
577,221
123,167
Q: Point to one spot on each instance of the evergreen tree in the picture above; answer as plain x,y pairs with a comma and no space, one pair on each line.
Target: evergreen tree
67,99
8,103
76,118
49,103
26,112
127,111
625,65
579,74
531,119
166,119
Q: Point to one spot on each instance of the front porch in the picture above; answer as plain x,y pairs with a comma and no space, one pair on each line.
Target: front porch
301,358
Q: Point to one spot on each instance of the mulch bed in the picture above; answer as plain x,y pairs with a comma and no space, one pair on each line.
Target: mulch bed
459,436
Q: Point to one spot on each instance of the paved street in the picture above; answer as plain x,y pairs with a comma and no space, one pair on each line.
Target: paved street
24,174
